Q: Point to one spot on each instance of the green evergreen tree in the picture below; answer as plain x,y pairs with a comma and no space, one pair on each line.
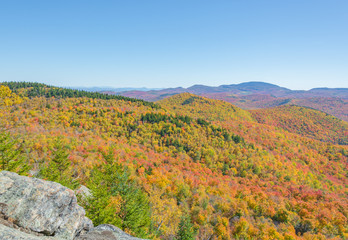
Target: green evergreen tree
98,207
116,199
11,157
58,168
185,231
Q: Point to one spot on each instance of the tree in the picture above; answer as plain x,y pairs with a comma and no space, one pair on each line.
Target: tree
186,231
7,98
116,199
58,168
11,158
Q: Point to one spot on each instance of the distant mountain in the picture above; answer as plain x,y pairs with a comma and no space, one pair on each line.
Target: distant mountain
333,92
237,90
255,95
153,95
111,89
242,88
256,87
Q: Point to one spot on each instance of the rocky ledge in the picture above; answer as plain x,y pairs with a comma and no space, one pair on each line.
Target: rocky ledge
33,209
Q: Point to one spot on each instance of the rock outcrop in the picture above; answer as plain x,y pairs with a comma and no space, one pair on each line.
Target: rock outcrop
15,234
106,232
32,208
42,206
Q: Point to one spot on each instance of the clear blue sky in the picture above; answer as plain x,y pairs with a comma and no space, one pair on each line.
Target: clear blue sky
299,44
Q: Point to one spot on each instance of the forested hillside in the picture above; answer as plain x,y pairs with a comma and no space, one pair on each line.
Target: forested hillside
256,95
193,168
306,122
209,109
337,107
30,90
295,119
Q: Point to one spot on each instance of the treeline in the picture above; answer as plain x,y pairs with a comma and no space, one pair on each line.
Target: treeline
33,89
157,117
179,121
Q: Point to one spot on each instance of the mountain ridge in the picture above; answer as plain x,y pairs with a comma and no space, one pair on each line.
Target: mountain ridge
255,86
256,95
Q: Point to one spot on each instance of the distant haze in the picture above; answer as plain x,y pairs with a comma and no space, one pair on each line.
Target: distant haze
98,89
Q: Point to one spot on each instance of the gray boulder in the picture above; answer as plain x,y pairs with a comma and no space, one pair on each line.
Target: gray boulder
41,206
7,233
106,232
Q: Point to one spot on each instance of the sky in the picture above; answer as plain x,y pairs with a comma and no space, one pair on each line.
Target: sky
169,43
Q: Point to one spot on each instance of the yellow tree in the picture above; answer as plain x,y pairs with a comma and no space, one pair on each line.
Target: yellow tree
7,98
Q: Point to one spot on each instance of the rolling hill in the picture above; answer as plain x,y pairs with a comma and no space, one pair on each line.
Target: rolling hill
306,122
303,121
255,95
208,109
184,161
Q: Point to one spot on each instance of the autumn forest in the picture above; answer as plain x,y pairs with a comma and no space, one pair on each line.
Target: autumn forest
186,166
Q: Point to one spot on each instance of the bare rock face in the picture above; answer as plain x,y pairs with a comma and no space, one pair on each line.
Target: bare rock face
106,232
14,234
43,207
